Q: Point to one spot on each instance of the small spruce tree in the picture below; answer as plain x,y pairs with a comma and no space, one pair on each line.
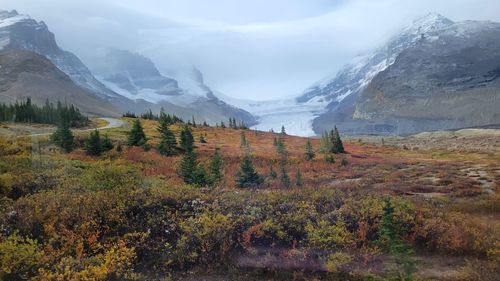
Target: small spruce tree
298,178
284,178
247,177
188,166
283,132
106,144
187,139
63,137
216,166
93,144
389,240
136,136
168,144
202,139
309,151
243,140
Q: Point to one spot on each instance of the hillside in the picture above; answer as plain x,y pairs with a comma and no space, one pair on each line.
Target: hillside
25,74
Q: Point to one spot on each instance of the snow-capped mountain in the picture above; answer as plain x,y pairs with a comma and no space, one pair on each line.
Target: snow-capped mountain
356,75
129,81
135,77
357,98
20,32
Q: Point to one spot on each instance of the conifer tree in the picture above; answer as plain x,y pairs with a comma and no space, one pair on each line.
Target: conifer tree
199,176
280,148
390,241
272,173
136,136
222,125
106,144
283,132
63,137
93,144
202,139
216,166
298,178
339,146
275,141
243,140
309,151
284,178
194,122
187,139
247,177
188,166
168,144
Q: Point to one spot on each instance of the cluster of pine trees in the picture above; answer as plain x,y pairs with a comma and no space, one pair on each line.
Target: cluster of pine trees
191,171
331,142
28,112
236,125
149,115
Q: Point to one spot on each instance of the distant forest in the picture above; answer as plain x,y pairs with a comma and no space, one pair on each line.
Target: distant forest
27,112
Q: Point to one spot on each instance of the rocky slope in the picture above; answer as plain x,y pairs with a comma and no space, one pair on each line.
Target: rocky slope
25,74
436,74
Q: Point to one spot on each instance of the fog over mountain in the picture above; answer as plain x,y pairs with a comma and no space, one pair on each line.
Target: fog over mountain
246,49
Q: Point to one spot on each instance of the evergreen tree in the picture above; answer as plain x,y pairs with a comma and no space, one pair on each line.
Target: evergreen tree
202,139
119,147
222,125
106,144
243,140
298,178
93,144
168,144
283,132
280,148
247,177
275,141
390,241
187,139
216,166
309,151
194,122
343,162
188,166
136,136
63,137
339,146
199,176
284,178
272,173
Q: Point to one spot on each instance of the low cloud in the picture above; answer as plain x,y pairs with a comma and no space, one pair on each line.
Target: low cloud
249,49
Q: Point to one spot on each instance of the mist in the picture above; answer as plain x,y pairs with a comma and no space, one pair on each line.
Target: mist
245,49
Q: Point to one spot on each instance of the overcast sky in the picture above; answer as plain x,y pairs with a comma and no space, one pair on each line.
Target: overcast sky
254,49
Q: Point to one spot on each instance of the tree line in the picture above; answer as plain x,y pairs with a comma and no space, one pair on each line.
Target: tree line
25,111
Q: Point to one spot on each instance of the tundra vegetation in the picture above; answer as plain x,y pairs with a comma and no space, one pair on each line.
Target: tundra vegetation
244,205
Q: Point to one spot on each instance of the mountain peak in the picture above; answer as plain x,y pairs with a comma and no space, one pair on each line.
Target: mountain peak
429,22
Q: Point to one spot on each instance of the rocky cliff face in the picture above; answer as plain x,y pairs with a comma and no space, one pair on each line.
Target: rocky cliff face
436,74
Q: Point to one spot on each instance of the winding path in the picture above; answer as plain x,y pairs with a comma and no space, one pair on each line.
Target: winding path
112,123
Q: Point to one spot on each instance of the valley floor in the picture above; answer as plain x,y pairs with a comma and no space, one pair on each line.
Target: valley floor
128,215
